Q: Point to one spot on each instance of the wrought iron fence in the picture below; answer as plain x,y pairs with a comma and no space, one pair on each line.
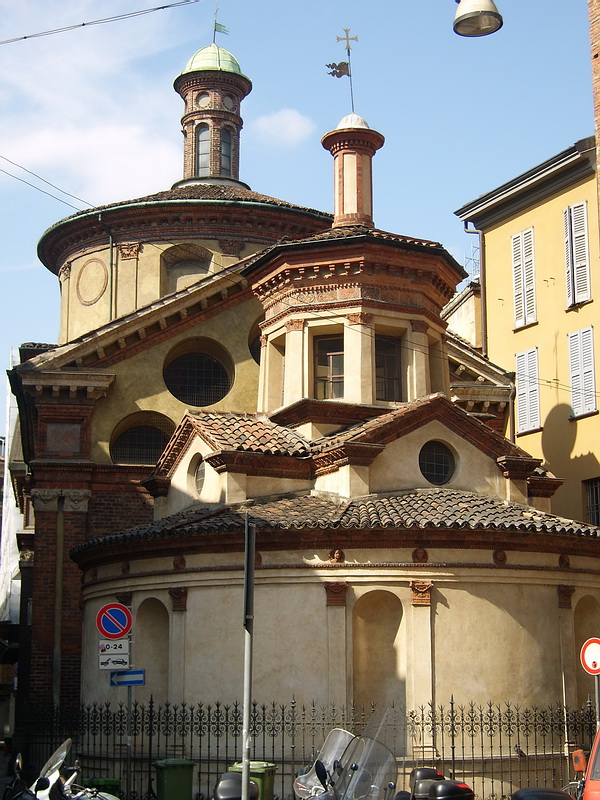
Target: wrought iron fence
495,748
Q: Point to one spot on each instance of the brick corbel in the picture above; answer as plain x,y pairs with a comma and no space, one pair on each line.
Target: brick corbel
565,593
336,593
518,467
421,593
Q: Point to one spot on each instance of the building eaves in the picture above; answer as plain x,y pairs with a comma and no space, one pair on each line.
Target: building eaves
249,433
562,170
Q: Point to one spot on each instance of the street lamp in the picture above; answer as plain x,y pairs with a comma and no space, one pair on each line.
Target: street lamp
476,18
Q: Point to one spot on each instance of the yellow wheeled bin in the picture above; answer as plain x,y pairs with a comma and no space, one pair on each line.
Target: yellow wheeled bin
263,774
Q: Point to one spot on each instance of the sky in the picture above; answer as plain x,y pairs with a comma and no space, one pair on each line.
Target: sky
93,111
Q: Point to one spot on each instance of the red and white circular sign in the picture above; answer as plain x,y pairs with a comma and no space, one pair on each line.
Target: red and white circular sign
590,656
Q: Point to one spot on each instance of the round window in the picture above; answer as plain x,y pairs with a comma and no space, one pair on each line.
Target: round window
140,439
436,463
197,379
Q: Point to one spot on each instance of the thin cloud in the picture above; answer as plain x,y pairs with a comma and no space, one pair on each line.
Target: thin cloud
286,128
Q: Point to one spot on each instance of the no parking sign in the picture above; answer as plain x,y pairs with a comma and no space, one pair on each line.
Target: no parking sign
114,621
590,656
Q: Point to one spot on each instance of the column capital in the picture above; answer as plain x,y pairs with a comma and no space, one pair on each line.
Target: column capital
336,593
421,592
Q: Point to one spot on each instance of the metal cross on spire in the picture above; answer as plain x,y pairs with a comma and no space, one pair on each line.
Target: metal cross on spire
344,67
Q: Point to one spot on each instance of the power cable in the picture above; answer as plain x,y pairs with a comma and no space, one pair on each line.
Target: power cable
117,18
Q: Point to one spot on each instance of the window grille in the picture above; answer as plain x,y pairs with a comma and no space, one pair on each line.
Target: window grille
197,379
142,444
436,463
593,501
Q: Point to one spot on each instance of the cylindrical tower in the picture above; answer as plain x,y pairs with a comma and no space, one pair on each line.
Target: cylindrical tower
353,145
212,86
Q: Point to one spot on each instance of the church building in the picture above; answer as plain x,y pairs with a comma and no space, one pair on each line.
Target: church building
230,359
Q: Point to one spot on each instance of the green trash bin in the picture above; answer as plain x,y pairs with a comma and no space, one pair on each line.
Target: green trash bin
174,778
111,785
263,774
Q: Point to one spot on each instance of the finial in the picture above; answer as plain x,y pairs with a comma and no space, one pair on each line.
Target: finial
218,28
344,68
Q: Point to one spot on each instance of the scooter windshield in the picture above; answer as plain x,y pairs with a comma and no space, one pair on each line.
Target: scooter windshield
368,772
330,755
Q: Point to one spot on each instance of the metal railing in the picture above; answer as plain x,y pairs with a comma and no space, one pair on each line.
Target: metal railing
494,748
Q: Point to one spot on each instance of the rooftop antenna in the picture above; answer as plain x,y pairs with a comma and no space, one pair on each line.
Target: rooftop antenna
344,67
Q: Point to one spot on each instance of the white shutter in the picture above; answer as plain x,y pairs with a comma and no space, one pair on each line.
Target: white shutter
581,365
529,276
581,259
518,288
577,258
523,265
528,394
568,256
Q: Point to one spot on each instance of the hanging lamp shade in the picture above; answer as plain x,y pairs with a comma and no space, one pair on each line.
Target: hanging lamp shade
476,18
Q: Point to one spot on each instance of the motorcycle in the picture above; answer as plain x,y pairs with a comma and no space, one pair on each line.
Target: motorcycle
364,768
53,782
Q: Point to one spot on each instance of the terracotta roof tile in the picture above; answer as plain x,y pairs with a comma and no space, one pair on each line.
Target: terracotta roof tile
250,433
419,509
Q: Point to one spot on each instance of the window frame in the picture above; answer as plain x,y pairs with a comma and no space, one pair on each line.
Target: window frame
203,150
592,500
388,377
332,380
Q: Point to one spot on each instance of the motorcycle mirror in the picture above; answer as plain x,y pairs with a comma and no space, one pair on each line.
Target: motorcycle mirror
321,772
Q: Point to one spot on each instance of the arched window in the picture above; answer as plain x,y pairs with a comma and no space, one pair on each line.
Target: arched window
225,152
140,438
202,151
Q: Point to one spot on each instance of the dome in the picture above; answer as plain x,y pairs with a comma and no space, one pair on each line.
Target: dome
213,57
352,121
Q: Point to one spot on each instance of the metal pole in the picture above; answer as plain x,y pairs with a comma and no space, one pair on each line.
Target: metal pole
249,629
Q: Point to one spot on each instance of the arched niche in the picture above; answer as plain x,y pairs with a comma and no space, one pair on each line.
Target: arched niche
151,650
182,265
376,660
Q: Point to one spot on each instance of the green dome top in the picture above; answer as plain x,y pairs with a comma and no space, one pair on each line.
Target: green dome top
213,57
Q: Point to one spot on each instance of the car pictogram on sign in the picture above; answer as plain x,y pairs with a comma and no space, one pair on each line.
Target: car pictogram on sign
114,621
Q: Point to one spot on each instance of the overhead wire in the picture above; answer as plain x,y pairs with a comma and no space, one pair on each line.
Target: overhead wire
103,21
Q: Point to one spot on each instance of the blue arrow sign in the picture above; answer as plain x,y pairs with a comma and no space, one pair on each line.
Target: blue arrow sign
129,677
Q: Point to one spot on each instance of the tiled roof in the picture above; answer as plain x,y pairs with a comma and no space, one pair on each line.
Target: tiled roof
352,231
418,509
248,432
210,192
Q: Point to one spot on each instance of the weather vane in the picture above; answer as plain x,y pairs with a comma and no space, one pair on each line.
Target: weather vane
218,28
344,68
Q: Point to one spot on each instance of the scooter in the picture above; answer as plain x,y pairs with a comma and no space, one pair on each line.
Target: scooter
364,768
52,782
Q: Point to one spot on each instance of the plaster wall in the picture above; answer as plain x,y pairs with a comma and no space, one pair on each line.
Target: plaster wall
102,285
397,467
490,634
566,445
139,383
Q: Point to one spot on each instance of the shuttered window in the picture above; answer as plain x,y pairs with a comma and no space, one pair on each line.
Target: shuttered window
528,391
577,257
581,366
524,278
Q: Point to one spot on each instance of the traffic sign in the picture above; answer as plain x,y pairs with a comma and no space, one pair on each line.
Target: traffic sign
131,677
590,656
114,620
113,661
113,646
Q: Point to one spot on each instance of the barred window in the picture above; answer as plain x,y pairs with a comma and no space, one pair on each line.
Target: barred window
198,376
436,463
593,500
140,439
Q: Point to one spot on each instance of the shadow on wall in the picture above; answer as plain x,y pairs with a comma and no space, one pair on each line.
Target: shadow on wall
558,440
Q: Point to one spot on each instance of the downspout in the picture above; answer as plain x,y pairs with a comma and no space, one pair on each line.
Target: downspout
58,602
111,312
482,282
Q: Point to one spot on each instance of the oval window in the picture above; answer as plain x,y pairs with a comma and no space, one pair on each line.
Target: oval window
436,463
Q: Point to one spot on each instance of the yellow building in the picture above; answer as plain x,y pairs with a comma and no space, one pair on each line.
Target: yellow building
538,243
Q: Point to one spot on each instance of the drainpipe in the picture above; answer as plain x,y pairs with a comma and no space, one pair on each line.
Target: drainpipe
58,602
511,412
484,341
111,313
